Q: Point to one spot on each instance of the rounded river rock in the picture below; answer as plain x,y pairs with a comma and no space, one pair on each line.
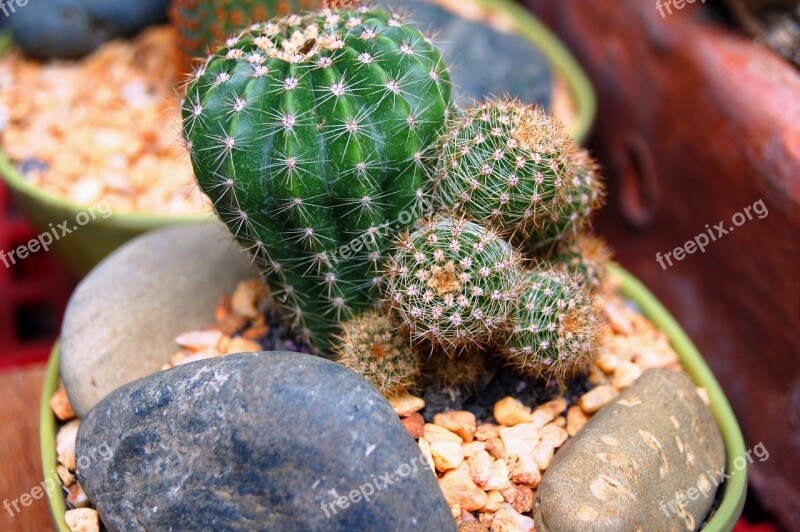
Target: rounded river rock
266,441
650,460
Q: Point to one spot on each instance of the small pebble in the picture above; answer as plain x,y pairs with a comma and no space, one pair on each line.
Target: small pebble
547,412
493,501
480,467
526,471
406,404
434,433
199,340
597,398
82,520
520,440
459,489
415,424
65,443
625,375
242,345
498,479
460,422
76,497
507,519
523,502
246,298
447,455
510,412
576,419
60,405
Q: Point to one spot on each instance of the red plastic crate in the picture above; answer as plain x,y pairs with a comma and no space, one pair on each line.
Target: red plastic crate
33,292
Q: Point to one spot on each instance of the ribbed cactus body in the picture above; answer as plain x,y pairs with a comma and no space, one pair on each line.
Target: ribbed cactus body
376,347
585,256
453,282
554,327
204,24
308,134
511,166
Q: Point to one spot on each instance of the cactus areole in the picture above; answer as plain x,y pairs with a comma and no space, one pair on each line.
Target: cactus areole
309,134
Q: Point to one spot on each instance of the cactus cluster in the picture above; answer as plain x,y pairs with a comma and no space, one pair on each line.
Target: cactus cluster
511,166
313,136
554,327
454,282
309,133
372,345
203,24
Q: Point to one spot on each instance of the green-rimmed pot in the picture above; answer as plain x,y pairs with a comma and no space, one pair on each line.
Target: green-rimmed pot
81,250
735,488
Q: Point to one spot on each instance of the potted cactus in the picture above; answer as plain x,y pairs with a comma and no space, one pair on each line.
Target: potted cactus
431,249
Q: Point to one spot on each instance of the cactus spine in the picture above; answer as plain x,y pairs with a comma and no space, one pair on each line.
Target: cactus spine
453,282
308,134
554,327
375,347
204,24
511,166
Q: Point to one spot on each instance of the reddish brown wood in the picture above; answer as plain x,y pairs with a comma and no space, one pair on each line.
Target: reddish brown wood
20,463
696,122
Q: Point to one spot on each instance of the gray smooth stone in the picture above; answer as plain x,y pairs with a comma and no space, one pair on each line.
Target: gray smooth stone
264,441
122,320
650,460
69,29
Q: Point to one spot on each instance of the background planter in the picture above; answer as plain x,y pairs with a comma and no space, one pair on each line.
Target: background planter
696,123
734,488
83,249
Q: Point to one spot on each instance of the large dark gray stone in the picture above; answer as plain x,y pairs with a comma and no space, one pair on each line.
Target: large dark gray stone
69,29
263,441
122,320
484,60
650,460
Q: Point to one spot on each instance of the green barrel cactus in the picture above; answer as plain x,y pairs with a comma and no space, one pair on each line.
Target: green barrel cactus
511,166
453,282
204,24
585,256
308,134
555,325
377,348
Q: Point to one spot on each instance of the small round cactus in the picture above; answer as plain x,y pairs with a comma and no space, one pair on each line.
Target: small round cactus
309,133
204,24
585,197
453,282
374,346
511,166
463,372
555,326
585,256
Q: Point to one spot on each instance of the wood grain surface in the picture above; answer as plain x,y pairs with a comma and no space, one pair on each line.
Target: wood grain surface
20,467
